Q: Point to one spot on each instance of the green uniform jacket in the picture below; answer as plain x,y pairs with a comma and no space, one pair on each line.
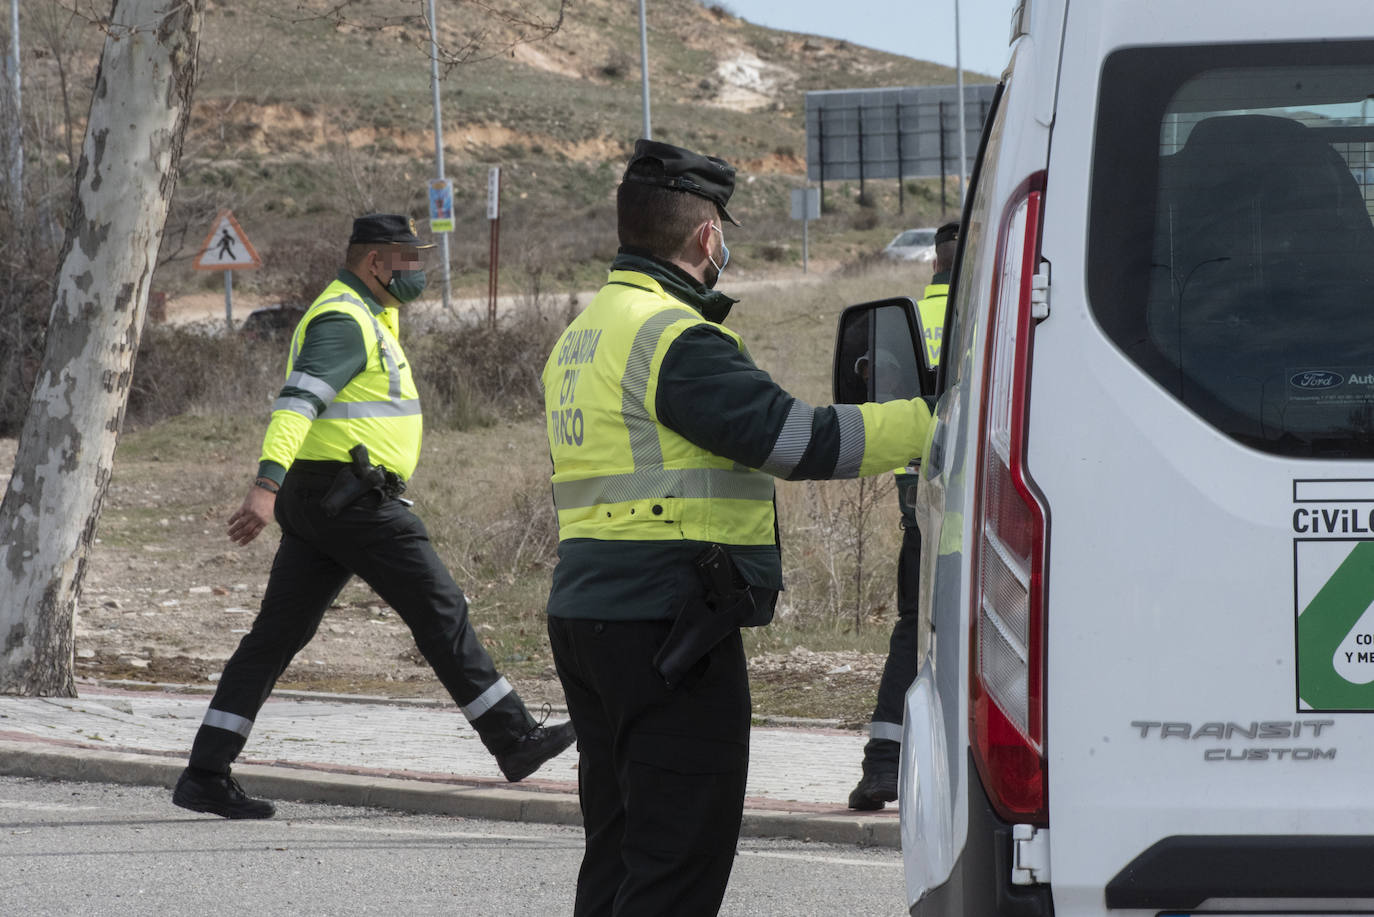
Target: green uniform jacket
709,392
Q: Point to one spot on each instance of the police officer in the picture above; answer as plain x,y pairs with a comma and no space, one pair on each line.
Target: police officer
665,438
878,785
348,384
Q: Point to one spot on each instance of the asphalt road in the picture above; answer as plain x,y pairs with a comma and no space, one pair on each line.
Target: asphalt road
74,849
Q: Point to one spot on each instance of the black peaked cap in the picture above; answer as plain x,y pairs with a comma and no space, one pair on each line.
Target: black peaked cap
386,229
668,166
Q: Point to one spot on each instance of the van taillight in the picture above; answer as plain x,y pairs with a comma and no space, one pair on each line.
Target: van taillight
1007,708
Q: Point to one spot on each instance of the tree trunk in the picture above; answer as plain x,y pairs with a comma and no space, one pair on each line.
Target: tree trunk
124,185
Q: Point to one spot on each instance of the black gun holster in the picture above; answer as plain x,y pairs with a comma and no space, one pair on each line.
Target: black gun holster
703,621
357,479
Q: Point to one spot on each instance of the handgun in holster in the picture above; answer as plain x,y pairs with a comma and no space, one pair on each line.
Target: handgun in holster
703,621
353,481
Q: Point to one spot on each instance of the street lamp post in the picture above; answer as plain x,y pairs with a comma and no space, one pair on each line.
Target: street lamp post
644,67
959,82
438,139
16,139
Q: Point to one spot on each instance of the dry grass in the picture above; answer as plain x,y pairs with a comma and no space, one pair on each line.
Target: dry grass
484,495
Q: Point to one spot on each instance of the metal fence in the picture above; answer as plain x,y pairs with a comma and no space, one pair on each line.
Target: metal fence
902,132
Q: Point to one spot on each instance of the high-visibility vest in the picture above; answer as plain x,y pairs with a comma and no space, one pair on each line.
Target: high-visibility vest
619,474
379,407
932,310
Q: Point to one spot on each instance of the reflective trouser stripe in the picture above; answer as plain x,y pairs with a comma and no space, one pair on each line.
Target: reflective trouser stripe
660,483
487,699
891,732
231,722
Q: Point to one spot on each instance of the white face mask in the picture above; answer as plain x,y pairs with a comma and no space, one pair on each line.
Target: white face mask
724,257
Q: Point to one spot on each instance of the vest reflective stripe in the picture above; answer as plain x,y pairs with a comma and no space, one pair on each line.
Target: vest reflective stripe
231,722
692,483
792,441
851,457
645,448
350,410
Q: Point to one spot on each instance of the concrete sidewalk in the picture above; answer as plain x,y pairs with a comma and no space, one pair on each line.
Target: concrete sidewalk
417,756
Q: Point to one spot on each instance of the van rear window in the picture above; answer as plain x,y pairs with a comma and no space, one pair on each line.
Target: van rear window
1231,247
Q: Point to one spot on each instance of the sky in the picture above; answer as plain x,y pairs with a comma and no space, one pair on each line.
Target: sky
922,29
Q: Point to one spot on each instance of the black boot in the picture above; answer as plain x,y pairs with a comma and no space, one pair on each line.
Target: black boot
874,790
218,794
532,749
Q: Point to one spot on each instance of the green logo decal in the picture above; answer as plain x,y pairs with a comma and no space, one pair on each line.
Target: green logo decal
1336,625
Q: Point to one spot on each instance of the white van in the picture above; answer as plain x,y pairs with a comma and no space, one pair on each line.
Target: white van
1148,502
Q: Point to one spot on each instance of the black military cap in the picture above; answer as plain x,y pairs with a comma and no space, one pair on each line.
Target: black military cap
947,233
386,229
669,166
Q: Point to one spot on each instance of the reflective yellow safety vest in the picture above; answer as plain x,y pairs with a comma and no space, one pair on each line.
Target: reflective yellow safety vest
618,474
932,313
379,407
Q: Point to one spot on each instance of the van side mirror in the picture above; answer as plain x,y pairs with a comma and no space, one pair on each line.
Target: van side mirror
879,355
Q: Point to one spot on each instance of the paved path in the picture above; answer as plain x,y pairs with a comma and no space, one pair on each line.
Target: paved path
420,756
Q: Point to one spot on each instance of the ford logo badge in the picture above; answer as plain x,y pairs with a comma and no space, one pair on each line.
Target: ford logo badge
1318,378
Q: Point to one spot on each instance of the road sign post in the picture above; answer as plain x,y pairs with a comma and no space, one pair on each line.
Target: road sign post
227,249
806,206
494,215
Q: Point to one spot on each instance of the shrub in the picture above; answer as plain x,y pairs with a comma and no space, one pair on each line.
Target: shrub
25,302
182,368
865,219
474,374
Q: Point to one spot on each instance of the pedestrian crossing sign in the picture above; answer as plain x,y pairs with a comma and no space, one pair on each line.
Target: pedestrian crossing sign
227,247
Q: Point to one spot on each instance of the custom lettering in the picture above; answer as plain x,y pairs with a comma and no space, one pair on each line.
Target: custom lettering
1269,754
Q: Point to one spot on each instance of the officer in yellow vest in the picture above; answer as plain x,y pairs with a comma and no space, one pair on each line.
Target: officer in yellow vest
666,438
882,754
343,439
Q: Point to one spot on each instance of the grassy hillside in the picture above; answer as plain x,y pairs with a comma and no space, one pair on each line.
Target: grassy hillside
308,112
301,122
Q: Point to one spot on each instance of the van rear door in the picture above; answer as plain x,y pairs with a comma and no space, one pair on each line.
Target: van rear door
1201,427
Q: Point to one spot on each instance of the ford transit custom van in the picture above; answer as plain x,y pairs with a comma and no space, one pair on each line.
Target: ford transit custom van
1147,673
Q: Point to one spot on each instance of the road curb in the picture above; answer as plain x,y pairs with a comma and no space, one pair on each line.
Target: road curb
300,784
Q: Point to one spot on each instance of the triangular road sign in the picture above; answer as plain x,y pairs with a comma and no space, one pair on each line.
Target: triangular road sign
227,247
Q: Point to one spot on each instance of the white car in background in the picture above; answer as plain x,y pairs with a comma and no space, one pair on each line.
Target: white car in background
912,245
1146,681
